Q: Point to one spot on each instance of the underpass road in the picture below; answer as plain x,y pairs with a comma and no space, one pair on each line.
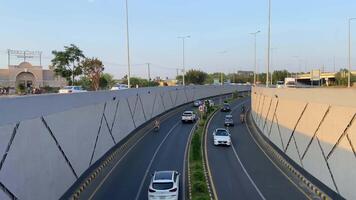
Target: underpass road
243,171
162,150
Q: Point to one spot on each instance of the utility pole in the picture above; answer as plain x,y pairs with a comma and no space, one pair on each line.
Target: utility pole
269,42
255,56
183,40
149,73
349,56
128,46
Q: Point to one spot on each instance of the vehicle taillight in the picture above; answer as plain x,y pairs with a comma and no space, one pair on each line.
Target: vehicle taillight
70,91
173,190
151,190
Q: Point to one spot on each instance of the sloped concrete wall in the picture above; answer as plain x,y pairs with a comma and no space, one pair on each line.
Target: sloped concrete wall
48,141
314,127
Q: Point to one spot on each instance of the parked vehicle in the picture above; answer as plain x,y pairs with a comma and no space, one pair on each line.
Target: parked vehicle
164,185
229,120
221,137
289,83
71,89
189,116
120,87
280,84
226,108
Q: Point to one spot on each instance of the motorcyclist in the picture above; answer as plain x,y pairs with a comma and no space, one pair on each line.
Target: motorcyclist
243,109
156,124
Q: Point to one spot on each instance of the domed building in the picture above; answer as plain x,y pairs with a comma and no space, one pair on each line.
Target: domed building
29,76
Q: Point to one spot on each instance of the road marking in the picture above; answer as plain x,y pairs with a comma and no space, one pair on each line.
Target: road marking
290,180
186,158
248,176
128,151
153,158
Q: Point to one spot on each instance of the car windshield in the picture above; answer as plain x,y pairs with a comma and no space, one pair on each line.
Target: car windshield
228,117
187,113
68,87
221,133
162,186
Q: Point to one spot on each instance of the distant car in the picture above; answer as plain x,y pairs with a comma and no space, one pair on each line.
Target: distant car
71,89
120,87
226,108
189,116
197,103
229,120
280,84
164,185
221,137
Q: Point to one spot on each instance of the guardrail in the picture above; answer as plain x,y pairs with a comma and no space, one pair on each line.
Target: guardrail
315,128
48,141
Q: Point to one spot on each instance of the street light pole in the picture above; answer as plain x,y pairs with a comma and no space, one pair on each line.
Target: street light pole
183,40
128,46
269,42
255,56
149,73
349,74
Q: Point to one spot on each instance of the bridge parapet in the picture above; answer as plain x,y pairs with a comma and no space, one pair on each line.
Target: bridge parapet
48,141
314,127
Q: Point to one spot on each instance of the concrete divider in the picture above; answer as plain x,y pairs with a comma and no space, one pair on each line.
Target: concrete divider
48,141
314,127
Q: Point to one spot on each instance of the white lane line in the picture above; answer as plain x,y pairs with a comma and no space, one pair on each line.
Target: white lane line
153,158
186,157
247,174
123,156
273,162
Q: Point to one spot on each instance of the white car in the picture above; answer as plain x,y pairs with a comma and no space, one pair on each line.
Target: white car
211,103
189,116
280,84
164,185
222,137
71,89
197,103
120,87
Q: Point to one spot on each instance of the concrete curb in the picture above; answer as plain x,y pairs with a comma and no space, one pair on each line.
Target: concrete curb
187,153
266,146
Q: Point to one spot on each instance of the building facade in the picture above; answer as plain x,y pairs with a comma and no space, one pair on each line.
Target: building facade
29,76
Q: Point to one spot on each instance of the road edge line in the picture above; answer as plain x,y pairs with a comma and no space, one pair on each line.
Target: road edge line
187,165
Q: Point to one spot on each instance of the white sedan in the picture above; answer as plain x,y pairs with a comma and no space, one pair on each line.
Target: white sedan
71,89
164,185
222,137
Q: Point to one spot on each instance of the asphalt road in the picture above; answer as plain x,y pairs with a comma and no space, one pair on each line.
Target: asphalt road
243,171
131,175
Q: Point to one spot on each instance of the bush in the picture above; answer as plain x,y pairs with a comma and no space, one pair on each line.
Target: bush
199,187
199,175
196,147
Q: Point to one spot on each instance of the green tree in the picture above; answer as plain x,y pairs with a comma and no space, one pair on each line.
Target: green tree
107,81
280,75
195,77
93,69
67,63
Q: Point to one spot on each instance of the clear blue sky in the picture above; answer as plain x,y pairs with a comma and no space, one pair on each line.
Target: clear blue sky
314,30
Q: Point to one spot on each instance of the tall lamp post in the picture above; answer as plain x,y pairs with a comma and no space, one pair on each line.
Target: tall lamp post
269,42
128,46
255,56
183,56
349,74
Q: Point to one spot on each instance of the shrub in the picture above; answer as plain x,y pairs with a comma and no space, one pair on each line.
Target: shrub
199,187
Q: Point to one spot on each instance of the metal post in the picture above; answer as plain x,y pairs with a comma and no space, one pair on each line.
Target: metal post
269,42
349,74
183,40
149,74
255,56
8,58
128,46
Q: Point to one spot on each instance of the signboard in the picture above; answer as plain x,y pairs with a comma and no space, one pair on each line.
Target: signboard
315,75
24,55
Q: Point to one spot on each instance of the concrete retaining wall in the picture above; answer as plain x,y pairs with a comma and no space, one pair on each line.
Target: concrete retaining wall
314,127
47,142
